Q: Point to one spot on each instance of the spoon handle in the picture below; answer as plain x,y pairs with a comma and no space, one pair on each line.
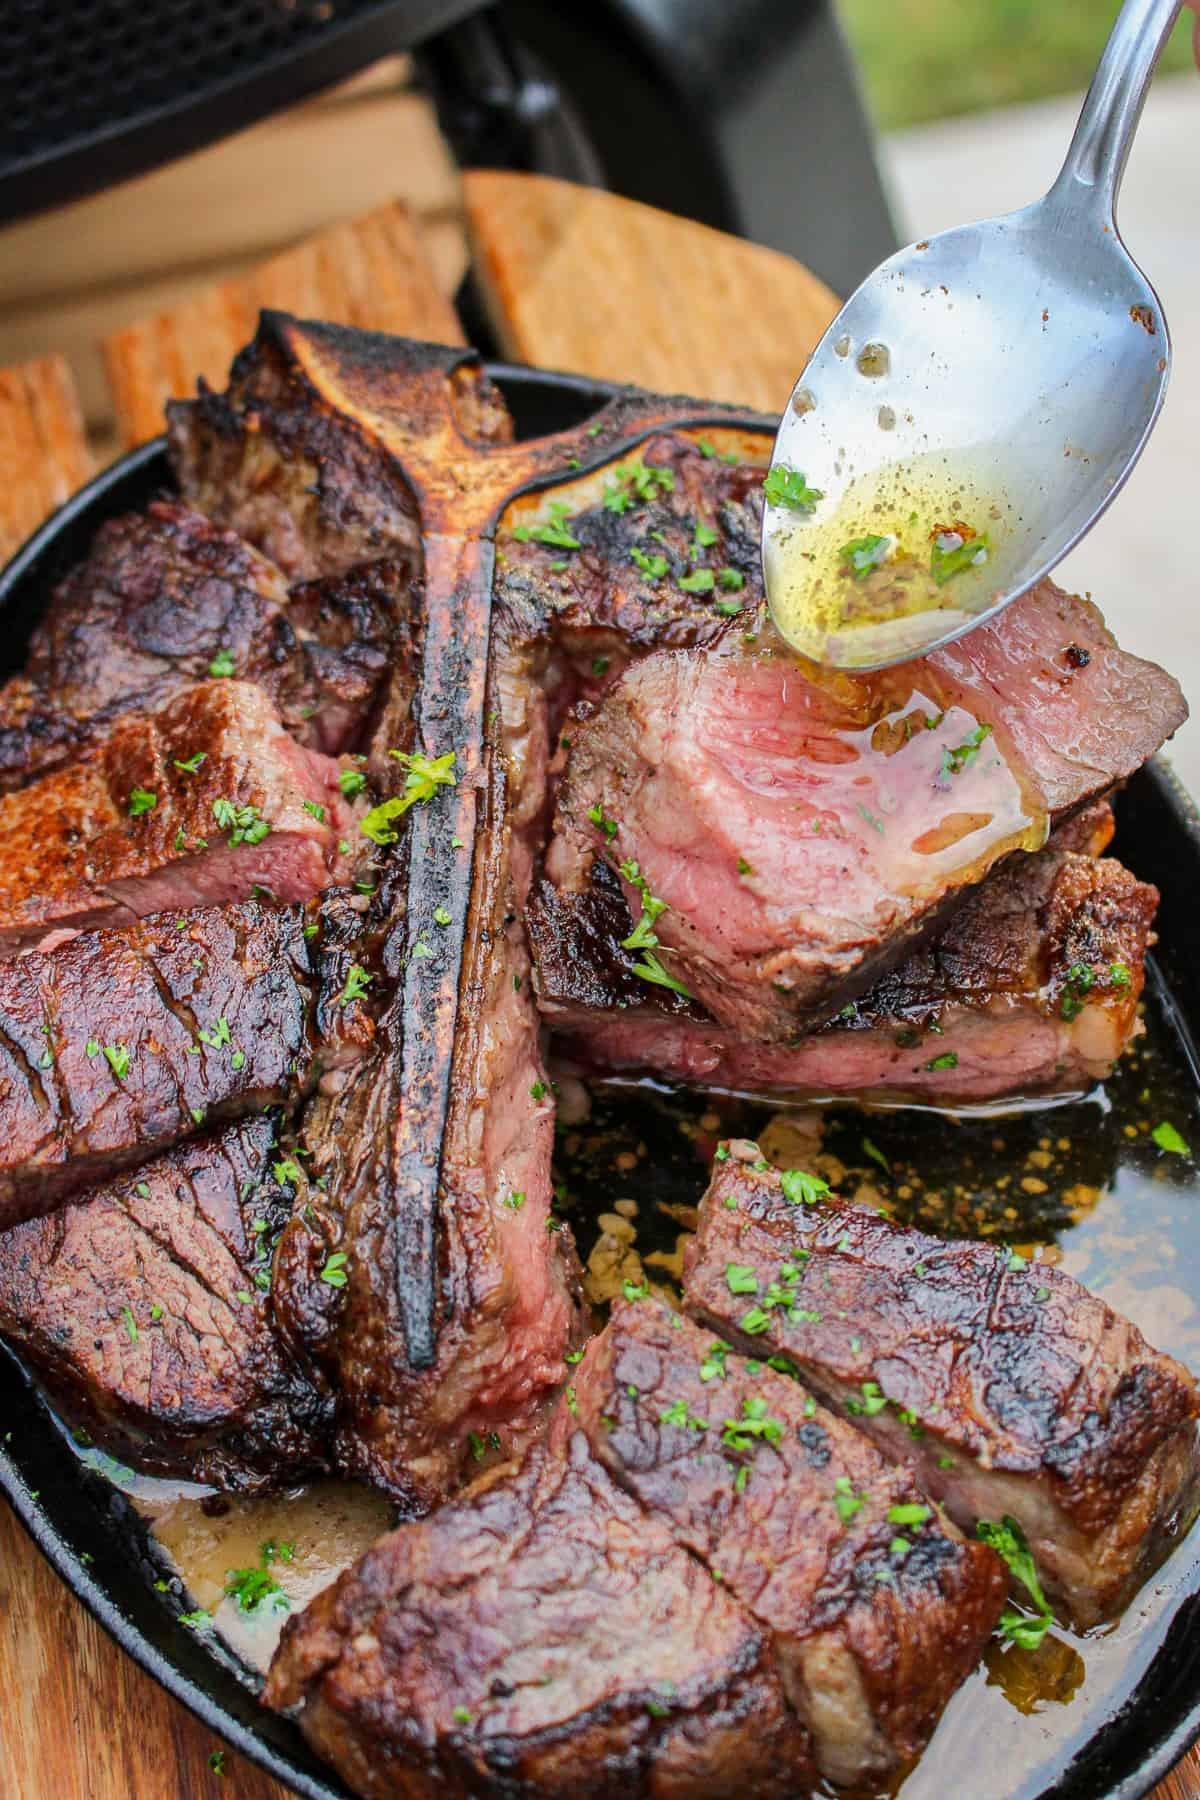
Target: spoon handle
1091,175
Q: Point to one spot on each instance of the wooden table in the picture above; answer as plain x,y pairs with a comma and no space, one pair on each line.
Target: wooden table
678,308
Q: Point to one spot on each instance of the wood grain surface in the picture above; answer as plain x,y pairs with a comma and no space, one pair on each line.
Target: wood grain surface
574,280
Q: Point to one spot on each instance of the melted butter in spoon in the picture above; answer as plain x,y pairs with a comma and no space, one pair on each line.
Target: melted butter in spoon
852,579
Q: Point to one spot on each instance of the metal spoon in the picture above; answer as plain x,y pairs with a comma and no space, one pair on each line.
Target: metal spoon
1003,376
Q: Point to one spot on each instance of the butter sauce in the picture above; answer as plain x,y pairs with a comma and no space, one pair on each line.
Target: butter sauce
851,576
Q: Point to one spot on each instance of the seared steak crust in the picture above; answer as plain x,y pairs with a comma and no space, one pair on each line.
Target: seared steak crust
803,837
874,1625
142,1309
541,1636
135,824
1032,1397
304,483
1032,987
162,595
113,1044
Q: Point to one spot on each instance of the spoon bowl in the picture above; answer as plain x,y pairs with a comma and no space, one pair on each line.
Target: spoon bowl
1003,377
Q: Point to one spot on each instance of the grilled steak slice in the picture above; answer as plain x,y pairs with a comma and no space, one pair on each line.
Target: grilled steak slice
1031,988
1011,1389
542,1637
141,1307
114,1044
306,483
163,594
877,1608
166,812
803,836
507,1295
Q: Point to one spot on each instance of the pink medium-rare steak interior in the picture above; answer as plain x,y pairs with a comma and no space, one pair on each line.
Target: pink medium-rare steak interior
802,835
204,802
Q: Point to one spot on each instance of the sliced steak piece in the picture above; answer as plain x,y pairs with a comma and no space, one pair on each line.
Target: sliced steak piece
162,596
143,1310
1032,988
803,836
306,483
507,1297
543,1637
1010,1389
877,1607
168,812
115,1044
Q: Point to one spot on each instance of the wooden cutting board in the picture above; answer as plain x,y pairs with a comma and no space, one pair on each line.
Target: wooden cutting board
78,1720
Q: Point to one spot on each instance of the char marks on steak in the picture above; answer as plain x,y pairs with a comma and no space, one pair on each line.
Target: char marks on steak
306,483
166,812
875,1618
539,1636
1010,1389
1031,988
143,1310
802,836
161,596
113,1044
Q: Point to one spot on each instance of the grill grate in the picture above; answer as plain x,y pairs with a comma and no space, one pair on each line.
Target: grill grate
95,90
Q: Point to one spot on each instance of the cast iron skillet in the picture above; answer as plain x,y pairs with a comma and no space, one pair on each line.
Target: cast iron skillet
90,1531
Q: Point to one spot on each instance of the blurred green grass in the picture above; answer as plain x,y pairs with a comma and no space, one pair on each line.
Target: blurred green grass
926,59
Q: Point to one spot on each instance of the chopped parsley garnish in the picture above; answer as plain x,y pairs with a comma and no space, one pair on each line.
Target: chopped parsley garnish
958,758
316,809
552,530
862,554
873,1401
655,567
651,969
947,1060
514,1201
910,1513
732,580
219,1036
117,1058
704,536
876,1155
740,1278
288,1169
1008,1541
642,937
191,764
954,551
713,1366
801,1188
222,664
461,1715
351,782
635,1290
538,1090
1119,975
334,1269
141,800
241,822
678,1413
700,581
846,1500
637,483
358,980
608,826
755,1425
131,1330
1167,1138
216,1761
255,1588
196,1621
787,487
424,776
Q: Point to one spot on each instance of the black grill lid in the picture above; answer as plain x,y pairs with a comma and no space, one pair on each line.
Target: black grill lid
93,91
